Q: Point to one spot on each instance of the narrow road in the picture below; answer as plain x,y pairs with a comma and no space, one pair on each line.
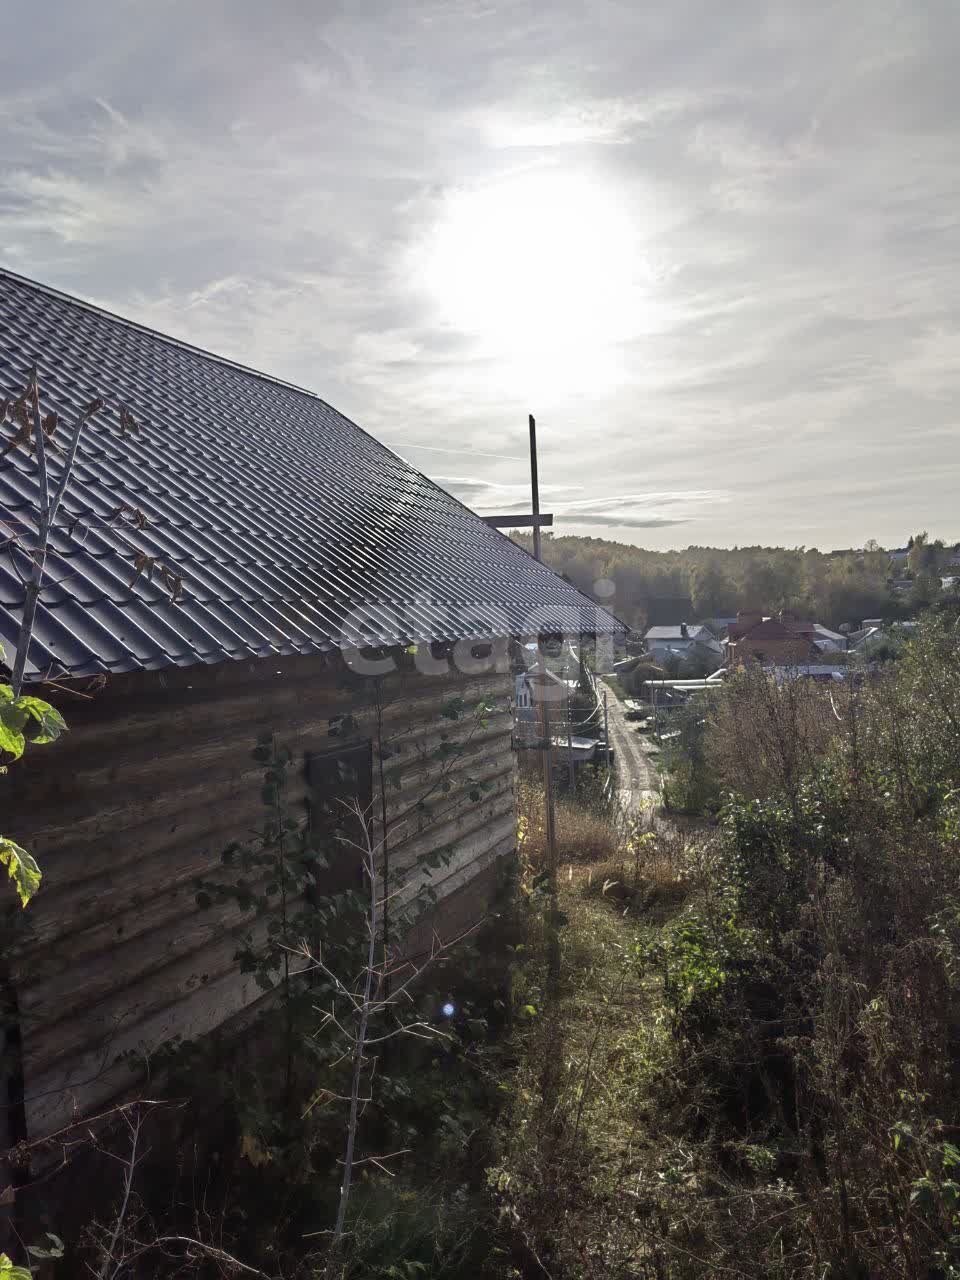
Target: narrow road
637,776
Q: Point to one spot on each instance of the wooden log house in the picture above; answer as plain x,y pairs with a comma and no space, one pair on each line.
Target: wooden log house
242,560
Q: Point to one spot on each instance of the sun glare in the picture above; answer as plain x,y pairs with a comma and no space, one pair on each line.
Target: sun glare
542,270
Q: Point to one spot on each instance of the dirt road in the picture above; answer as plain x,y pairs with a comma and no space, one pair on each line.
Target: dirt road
638,779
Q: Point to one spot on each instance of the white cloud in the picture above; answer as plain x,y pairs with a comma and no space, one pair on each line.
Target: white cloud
259,180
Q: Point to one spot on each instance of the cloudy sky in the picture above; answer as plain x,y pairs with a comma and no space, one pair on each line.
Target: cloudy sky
714,247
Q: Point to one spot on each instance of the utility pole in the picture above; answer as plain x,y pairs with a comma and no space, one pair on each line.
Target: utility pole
534,486
606,731
540,682
571,772
553,944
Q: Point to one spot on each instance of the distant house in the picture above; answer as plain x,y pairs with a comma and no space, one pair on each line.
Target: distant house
682,643
769,641
875,633
899,555
526,701
786,639
828,641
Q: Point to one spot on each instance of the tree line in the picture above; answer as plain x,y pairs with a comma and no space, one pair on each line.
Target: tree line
650,588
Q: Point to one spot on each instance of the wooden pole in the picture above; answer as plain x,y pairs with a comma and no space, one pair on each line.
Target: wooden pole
553,944
606,730
534,485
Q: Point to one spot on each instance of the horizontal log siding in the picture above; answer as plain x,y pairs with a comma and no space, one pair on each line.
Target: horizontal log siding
141,797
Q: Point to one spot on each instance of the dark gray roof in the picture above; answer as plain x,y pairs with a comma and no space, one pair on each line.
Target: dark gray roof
282,517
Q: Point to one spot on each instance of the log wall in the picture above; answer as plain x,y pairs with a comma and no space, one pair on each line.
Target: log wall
140,798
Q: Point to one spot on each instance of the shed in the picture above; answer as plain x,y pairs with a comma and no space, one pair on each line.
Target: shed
323,591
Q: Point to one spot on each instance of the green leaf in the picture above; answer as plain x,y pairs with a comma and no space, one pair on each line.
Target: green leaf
9,1272
47,722
54,1248
899,1131
12,720
22,869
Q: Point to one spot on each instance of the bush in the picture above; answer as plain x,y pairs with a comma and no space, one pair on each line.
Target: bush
770,1087
813,991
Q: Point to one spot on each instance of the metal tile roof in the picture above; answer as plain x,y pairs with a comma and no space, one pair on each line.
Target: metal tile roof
283,518
693,632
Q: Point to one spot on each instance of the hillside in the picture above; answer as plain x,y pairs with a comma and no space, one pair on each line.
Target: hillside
647,588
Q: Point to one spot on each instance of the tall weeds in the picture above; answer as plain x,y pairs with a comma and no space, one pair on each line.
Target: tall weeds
792,1082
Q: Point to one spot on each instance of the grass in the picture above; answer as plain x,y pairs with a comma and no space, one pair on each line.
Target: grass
584,834
574,1132
577,1140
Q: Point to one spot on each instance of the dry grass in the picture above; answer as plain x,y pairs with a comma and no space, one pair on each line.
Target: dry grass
584,835
644,866
652,875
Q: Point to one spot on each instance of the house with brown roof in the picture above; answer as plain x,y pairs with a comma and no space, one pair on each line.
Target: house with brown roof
780,642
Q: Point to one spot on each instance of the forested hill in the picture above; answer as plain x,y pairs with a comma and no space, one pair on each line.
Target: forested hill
653,587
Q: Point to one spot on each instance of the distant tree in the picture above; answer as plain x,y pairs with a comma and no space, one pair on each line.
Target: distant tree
760,586
712,592
654,587
925,590
922,555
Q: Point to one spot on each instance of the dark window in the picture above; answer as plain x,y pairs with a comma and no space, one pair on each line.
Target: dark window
337,780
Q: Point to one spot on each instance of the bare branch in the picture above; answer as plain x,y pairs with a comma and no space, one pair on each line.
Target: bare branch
109,1270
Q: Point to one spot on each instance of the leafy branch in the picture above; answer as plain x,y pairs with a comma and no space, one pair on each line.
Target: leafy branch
24,718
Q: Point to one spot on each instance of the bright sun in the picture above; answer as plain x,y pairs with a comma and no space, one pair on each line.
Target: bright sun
543,270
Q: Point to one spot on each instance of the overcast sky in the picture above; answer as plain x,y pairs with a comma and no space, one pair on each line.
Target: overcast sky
714,247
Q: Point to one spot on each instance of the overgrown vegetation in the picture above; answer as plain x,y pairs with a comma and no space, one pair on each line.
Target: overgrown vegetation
766,1082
